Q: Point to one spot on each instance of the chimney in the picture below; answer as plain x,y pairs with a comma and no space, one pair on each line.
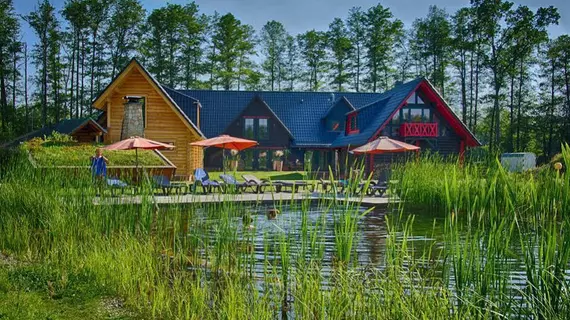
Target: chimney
198,107
133,120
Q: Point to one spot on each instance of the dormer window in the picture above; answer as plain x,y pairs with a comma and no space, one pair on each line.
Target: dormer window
351,125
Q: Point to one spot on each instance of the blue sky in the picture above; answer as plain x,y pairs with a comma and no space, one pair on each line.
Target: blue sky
302,15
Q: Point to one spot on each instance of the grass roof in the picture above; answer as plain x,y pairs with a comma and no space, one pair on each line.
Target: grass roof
51,153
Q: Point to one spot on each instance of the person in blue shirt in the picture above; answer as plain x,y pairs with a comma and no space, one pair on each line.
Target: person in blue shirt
99,167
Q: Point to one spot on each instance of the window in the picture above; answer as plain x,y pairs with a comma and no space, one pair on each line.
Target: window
263,132
416,115
415,99
427,115
144,112
248,129
351,126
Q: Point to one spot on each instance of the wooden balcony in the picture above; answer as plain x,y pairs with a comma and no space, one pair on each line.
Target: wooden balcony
419,129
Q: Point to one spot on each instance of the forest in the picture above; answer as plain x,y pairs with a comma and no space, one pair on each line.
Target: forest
494,61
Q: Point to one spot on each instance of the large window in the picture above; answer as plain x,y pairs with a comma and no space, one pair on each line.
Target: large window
256,128
263,132
415,99
248,129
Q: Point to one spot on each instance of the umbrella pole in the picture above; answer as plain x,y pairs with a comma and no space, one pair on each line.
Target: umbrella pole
224,157
137,165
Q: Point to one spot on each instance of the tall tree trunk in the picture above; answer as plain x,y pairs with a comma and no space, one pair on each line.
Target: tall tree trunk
476,101
519,104
511,115
471,84
72,82
82,99
29,122
463,72
93,59
44,85
552,107
14,79
3,98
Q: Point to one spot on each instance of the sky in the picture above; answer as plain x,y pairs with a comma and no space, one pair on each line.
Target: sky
301,15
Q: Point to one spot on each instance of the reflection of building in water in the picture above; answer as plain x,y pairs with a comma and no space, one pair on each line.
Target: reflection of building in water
373,237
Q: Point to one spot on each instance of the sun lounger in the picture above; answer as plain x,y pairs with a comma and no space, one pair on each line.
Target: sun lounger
164,183
294,186
231,184
337,185
257,185
115,184
377,188
202,179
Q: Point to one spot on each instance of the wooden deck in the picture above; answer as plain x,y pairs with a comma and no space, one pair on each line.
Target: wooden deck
245,197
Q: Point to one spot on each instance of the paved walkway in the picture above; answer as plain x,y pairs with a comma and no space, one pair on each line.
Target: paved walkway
245,197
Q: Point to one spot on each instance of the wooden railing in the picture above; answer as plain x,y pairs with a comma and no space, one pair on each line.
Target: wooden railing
418,129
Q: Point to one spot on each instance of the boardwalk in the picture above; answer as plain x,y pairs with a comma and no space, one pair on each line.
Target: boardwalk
245,197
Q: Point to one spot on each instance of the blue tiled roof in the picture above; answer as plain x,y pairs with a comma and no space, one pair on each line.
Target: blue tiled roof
300,112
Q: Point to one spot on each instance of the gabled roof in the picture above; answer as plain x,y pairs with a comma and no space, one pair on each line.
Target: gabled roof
371,119
98,101
372,116
68,126
300,112
341,99
268,108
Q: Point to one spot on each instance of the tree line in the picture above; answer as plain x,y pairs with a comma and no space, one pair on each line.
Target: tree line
493,60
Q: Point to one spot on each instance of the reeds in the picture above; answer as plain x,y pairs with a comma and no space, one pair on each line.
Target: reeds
502,248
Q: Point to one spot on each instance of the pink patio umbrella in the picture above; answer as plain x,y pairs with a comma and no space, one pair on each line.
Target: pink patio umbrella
226,142
138,143
385,145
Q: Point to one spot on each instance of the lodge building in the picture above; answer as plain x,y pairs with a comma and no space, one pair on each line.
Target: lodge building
311,126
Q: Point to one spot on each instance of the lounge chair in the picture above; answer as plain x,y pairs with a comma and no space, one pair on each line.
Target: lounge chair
337,185
378,187
115,184
202,179
164,183
231,184
257,185
293,185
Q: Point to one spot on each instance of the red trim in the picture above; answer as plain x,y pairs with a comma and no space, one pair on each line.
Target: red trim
441,107
351,117
256,117
371,163
415,129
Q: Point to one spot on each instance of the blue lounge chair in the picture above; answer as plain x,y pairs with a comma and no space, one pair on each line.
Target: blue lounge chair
116,184
164,183
231,184
202,179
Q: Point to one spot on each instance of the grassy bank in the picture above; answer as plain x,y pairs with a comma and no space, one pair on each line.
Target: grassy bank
48,153
202,262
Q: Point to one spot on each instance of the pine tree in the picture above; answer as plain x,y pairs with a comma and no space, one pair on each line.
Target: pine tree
312,46
341,48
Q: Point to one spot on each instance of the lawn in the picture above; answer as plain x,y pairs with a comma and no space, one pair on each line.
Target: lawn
49,154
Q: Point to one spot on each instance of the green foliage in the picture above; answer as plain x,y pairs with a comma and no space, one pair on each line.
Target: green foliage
61,150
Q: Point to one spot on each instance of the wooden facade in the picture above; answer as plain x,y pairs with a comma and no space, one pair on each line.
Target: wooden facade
163,121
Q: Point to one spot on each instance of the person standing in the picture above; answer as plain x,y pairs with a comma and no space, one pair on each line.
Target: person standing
99,167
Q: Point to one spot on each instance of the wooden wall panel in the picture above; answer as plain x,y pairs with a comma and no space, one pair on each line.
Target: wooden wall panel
162,122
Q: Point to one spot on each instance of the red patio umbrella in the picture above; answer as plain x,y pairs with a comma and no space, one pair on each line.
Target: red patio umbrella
385,145
226,142
138,143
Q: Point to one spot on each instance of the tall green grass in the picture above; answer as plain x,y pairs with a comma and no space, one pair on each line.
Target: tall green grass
204,261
